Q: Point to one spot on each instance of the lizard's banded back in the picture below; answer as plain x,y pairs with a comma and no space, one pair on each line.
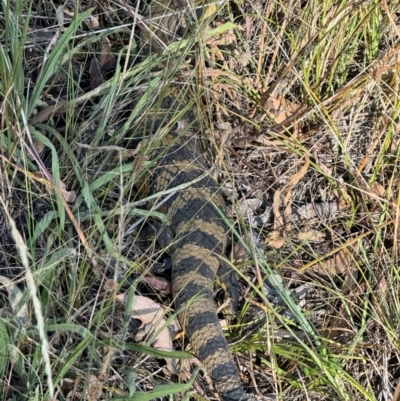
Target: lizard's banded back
196,214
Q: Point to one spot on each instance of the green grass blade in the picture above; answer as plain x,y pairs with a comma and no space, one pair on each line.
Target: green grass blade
4,347
53,62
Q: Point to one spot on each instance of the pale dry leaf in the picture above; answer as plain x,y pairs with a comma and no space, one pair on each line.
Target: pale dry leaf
94,389
224,39
266,217
110,285
276,109
226,125
67,387
69,12
320,210
94,22
326,210
382,286
224,134
293,181
108,355
249,206
151,313
208,11
69,196
311,235
277,207
295,178
249,27
15,296
275,240
216,54
219,88
325,169
306,212
245,59
143,332
123,152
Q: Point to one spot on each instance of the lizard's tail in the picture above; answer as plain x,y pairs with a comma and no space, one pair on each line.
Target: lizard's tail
193,284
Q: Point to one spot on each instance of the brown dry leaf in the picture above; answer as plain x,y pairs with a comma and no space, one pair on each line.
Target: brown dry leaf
67,387
94,389
281,109
239,253
159,283
218,87
342,195
224,39
31,153
267,141
283,198
49,111
382,286
378,189
107,58
97,67
340,263
275,240
39,147
213,73
379,302
68,196
152,314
